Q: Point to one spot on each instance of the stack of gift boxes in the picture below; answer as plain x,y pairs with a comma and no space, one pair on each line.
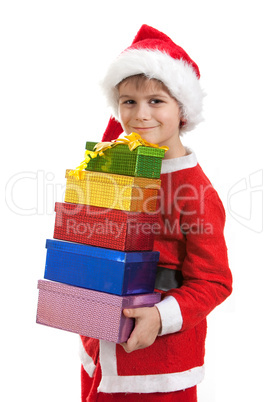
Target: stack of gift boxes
101,259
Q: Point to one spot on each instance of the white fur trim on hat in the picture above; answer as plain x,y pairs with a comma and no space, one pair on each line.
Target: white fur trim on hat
177,75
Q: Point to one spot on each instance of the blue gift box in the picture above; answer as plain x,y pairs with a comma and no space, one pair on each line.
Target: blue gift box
105,270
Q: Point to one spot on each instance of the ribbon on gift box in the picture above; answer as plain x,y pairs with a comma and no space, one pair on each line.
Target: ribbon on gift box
133,141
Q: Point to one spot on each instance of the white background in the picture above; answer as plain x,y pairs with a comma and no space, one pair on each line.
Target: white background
53,54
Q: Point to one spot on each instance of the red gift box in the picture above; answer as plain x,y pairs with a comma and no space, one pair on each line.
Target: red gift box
109,228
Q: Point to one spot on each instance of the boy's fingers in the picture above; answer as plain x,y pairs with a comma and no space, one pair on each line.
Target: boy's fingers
131,344
127,312
131,312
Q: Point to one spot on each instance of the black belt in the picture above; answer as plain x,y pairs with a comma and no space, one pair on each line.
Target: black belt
167,279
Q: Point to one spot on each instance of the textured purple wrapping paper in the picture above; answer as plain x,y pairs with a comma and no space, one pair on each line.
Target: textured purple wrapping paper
88,312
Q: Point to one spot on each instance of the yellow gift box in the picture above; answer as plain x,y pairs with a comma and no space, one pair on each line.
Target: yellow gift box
136,194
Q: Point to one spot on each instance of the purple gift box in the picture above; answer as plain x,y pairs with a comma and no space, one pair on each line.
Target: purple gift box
88,312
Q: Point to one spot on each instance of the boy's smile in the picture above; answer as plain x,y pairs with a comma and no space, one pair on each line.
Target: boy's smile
150,111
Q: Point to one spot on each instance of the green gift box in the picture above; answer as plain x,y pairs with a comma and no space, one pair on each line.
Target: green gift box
141,162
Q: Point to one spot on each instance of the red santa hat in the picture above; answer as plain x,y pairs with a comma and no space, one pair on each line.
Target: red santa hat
155,55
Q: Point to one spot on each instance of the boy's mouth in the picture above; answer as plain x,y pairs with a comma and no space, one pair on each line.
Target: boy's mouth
144,128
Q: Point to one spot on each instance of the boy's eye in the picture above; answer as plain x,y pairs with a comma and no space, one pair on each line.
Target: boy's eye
129,102
155,101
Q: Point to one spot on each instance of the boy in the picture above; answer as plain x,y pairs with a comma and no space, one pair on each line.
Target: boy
153,88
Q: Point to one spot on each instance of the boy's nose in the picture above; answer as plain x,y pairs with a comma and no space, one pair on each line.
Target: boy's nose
143,112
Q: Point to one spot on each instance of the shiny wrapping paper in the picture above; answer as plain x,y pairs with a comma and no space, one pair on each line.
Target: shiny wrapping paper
101,227
136,194
105,270
87,312
141,162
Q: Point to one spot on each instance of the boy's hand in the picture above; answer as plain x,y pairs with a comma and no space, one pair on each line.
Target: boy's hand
147,327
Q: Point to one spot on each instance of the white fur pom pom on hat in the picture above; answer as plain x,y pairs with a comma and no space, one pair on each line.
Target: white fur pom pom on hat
155,55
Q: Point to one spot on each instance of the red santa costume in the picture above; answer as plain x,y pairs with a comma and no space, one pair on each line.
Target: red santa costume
194,275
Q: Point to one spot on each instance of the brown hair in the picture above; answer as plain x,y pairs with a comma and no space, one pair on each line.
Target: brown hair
141,79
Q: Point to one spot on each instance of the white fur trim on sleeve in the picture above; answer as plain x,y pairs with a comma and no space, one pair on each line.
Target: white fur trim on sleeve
170,313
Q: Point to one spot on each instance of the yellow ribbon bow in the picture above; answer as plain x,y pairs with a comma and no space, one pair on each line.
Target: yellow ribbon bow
133,141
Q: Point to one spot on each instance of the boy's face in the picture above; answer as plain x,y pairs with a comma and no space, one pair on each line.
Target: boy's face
150,111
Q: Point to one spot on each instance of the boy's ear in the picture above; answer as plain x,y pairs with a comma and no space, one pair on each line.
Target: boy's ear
183,122
113,130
